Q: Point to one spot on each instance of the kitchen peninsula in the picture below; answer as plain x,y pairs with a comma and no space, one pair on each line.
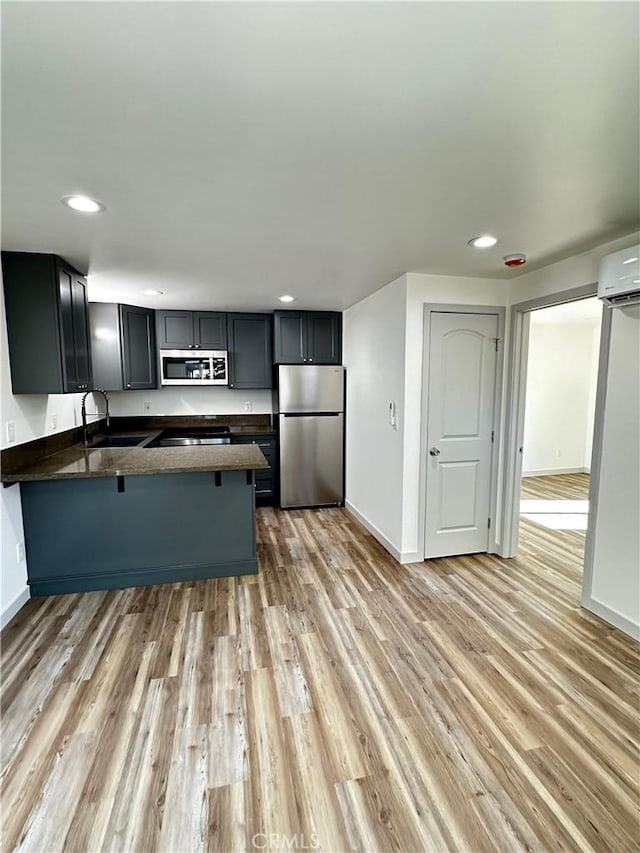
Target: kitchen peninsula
107,518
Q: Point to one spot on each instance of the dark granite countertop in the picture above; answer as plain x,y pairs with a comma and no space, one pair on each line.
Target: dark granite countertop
238,424
251,430
81,462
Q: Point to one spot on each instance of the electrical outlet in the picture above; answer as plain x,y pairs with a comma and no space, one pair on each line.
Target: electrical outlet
147,406
10,431
20,551
54,420
558,453
248,406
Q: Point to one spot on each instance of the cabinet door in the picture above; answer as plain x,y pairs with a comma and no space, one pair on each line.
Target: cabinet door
210,330
324,337
138,348
250,359
266,479
81,343
74,329
70,373
290,337
175,329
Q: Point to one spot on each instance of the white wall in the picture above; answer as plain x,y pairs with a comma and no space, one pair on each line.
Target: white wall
190,401
561,376
433,289
612,584
374,357
575,271
383,342
593,388
614,588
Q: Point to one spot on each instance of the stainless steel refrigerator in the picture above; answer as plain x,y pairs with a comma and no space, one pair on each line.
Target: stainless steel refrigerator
310,402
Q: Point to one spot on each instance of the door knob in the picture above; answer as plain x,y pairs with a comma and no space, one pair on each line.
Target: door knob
433,451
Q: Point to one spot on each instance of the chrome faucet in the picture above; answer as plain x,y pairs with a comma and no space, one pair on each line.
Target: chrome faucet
83,410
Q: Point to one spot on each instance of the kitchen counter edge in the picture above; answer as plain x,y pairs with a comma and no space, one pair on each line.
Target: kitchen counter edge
78,462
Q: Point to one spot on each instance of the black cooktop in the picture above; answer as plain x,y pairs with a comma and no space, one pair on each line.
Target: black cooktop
195,432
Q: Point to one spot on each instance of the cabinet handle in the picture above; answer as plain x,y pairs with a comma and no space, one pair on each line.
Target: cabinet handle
128,385
310,359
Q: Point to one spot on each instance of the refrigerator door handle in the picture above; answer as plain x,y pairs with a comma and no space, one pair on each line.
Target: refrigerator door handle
310,414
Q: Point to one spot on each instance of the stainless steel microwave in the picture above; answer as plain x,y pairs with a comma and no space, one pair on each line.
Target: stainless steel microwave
186,367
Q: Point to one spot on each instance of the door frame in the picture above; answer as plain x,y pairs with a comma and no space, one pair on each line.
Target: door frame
436,308
518,352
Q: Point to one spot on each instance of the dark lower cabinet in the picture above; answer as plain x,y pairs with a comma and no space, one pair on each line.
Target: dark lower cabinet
117,532
123,349
192,330
249,349
307,337
47,324
266,479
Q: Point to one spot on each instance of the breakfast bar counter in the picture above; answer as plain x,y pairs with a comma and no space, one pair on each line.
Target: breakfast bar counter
120,517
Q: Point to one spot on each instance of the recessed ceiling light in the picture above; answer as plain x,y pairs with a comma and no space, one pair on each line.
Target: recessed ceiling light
153,292
287,298
82,203
630,261
484,241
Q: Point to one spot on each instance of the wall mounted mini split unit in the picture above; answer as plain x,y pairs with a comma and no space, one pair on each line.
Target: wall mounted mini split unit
619,280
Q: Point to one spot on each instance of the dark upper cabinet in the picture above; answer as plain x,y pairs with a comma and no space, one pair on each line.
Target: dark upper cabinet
210,329
123,349
192,330
249,343
307,337
324,337
138,347
47,324
175,329
289,337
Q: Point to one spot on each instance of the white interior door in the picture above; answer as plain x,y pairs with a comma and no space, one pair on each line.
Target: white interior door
462,378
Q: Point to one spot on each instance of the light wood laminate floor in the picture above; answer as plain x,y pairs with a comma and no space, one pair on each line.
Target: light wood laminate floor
336,700
539,541
556,487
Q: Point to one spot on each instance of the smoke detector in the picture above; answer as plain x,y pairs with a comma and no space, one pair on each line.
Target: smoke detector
516,260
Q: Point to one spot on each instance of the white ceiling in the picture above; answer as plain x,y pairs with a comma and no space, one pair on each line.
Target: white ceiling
581,311
247,150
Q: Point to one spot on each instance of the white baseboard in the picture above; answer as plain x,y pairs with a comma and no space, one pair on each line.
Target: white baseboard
410,557
401,557
11,609
546,472
611,616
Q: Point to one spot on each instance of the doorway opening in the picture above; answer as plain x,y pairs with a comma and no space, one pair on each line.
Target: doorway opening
559,410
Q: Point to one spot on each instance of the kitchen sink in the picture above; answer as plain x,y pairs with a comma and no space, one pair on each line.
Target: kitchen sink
118,441
188,436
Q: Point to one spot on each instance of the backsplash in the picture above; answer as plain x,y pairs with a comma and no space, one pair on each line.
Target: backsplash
185,400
